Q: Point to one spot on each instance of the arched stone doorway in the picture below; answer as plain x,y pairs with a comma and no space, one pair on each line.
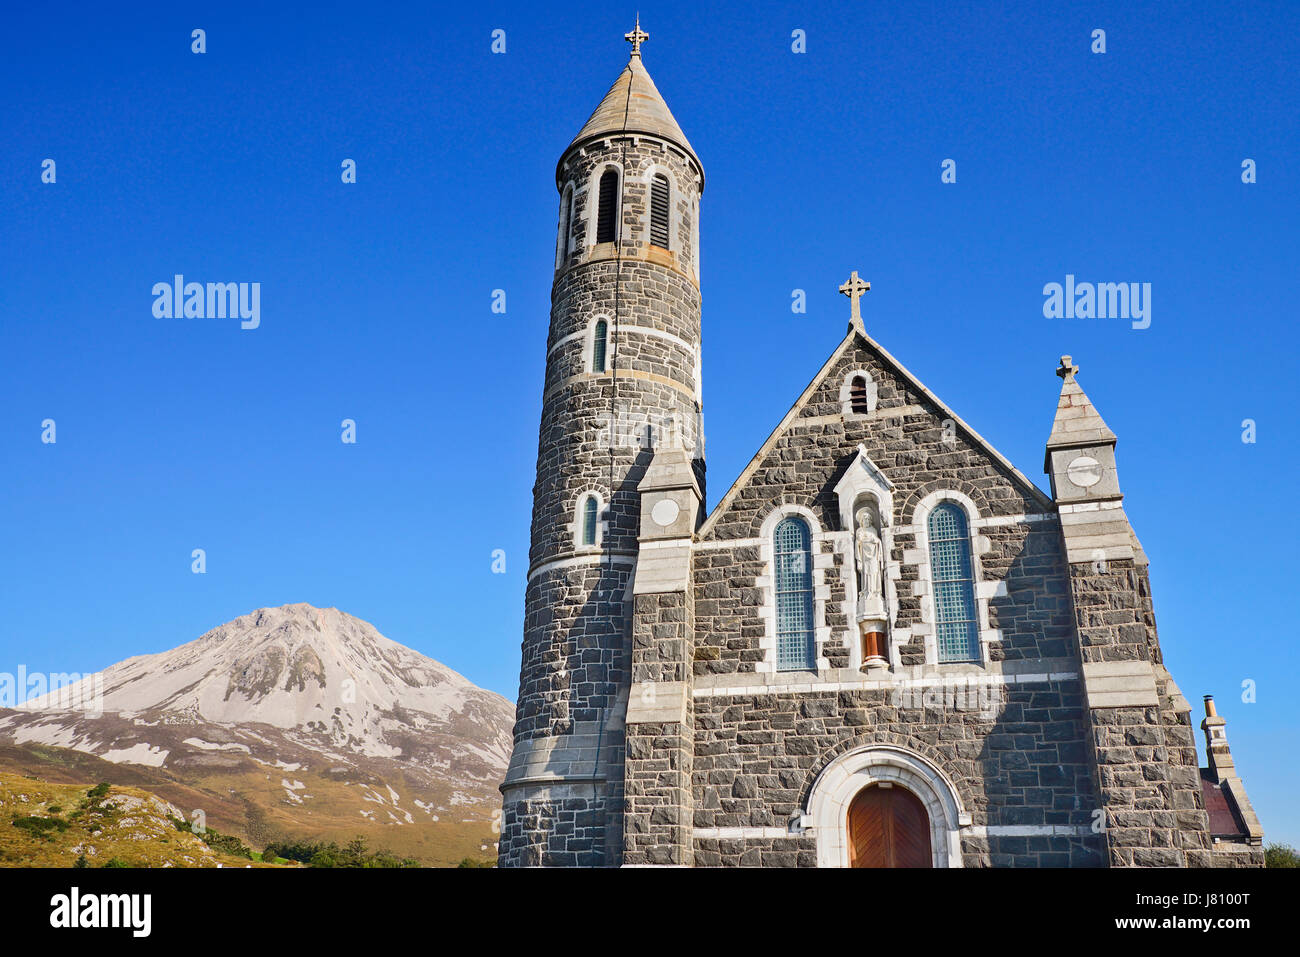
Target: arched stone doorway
888,827
843,779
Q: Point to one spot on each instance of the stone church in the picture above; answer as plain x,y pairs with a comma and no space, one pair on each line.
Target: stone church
882,646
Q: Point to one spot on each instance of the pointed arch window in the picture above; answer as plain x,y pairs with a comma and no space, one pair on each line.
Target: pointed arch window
792,553
607,207
659,206
598,338
955,619
589,510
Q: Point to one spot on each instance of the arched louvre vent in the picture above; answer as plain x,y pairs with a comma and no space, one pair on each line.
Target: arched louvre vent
607,208
858,395
659,211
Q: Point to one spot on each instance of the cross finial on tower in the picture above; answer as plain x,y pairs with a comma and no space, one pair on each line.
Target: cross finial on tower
1067,369
636,37
854,289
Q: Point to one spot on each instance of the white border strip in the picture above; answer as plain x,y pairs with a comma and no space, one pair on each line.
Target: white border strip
624,327
972,831
742,833
929,681
595,559
1029,830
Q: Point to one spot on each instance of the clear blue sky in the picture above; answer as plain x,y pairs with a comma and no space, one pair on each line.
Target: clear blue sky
182,434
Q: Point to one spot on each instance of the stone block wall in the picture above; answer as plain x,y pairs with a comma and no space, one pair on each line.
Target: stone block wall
757,756
659,758
576,659
559,826
921,451
576,653
1144,756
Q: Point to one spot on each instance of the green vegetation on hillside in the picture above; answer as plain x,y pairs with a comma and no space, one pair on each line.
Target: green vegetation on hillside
328,854
107,826
1281,855
242,797
226,843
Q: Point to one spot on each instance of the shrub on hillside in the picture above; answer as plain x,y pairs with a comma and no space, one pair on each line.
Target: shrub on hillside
43,827
1281,855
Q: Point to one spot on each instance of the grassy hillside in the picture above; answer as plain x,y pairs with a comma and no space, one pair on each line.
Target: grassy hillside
257,804
67,825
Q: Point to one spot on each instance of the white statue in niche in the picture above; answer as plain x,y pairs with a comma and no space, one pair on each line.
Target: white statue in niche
866,540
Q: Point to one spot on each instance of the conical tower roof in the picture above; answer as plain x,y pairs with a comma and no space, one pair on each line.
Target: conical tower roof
633,105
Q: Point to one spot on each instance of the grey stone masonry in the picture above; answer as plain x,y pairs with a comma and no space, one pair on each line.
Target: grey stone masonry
657,773
1143,753
601,422
1024,767
558,827
923,451
720,690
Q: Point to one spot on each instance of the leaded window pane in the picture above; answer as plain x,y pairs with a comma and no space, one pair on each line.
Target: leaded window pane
589,521
957,628
792,554
598,347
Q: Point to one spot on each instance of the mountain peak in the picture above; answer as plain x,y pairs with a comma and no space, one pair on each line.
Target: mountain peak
317,670
309,714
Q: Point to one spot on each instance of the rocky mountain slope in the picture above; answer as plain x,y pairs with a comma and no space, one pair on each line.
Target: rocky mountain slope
292,721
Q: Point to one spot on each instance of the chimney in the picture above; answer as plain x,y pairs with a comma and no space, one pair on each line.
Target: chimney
1216,743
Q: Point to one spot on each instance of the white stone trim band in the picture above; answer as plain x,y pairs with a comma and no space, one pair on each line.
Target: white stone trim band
1028,830
622,327
972,831
581,560
878,684
741,833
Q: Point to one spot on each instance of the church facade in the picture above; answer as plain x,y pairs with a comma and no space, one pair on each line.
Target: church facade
882,646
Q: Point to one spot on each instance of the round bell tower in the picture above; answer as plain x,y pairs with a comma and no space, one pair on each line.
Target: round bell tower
622,380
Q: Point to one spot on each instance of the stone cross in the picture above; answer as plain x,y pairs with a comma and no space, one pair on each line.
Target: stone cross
1067,369
854,289
636,37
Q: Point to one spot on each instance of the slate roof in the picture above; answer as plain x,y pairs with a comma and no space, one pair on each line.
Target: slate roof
1224,821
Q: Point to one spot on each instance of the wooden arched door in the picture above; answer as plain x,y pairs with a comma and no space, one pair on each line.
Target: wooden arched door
888,827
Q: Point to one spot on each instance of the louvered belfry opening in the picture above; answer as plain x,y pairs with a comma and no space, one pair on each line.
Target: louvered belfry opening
607,208
659,211
858,395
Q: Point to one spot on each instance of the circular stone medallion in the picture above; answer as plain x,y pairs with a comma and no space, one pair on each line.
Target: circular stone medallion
665,512
1084,471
